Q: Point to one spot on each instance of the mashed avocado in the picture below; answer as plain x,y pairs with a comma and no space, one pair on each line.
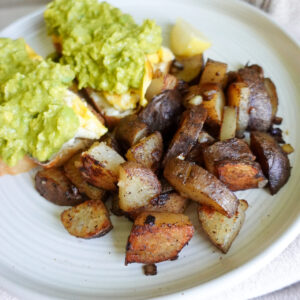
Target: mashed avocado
104,47
33,116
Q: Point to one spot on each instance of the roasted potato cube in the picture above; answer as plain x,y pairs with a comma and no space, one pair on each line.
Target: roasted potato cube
260,104
214,72
87,220
53,185
192,181
130,131
168,202
71,169
273,160
157,236
196,154
110,140
238,95
160,84
187,68
271,90
100,166
228,126
137,186
235,149
148,151
222,230
213,102
240,174
162,111
192,96
188,132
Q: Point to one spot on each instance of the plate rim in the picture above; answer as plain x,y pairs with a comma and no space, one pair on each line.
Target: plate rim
224,281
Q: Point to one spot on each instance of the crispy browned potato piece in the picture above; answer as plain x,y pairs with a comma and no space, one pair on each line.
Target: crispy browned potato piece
53,185
157,236
273,160
71,169
168,202
137,186
196,154
162,111
235,149
214,102
214,72
271,90
192,181
131,130
110,140
89,219
148,151
100,166
160,84
187,68
240,174
238,95
260,103
222,230
188,132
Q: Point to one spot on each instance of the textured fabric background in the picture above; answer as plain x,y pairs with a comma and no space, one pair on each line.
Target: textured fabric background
285,269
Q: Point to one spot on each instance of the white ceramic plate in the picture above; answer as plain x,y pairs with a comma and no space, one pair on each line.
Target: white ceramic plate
39,259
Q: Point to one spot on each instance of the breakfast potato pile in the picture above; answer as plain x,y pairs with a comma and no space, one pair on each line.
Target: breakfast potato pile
190,143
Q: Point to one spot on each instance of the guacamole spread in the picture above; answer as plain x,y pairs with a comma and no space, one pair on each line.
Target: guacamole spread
33,115
105,48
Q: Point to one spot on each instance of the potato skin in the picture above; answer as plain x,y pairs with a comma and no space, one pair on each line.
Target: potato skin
222,230
53,185
214,72
273,160
241,174
89,219
187,135
162,111
260,103
71,169
148,151
233,149
157,236
130,131
195,183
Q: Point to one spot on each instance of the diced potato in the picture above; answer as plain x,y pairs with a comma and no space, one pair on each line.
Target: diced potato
214,106
148,151
273,160
53,185
232,149
71,169
168,202
222,230
228,126
110,140
238,95
214,72
137,186
187,134
89,219
187,68
160,84
157,236
195,183
240,174
131,130
100,166
187,40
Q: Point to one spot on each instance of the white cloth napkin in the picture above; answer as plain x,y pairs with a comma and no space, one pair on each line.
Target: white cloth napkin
285,269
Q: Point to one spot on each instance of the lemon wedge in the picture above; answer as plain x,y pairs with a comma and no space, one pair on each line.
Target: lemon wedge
186,40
